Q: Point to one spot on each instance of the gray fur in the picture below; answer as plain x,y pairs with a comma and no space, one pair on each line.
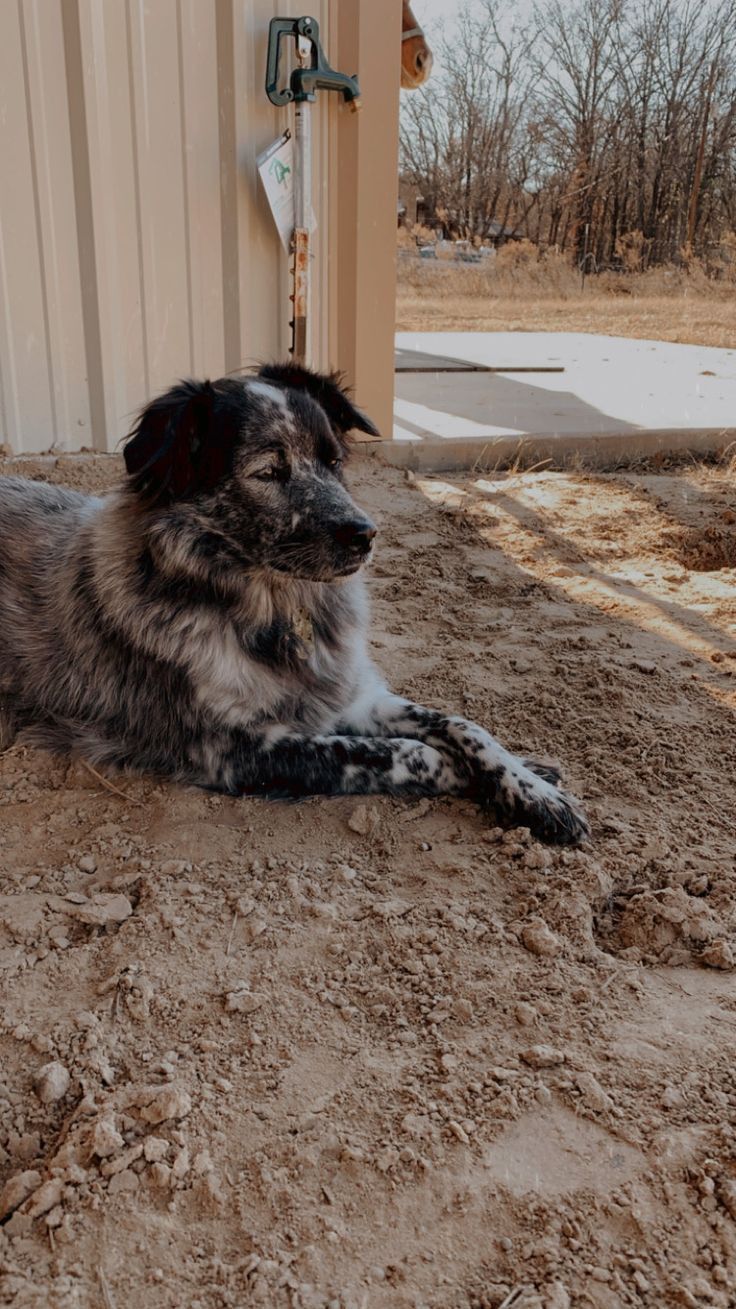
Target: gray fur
206,622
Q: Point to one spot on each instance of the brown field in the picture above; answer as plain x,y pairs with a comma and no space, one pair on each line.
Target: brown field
665,305
342,1055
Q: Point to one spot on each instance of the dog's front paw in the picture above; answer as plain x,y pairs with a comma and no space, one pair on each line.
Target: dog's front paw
547,771
529,795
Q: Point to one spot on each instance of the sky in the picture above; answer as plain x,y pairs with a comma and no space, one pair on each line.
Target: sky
431,12
435,15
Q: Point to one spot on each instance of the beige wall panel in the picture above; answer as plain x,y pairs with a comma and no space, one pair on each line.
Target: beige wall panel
364,258
28,402
201,162
160,149
47,93
102,117
136,244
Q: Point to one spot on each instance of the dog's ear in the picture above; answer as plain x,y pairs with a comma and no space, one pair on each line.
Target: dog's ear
328,389
172,451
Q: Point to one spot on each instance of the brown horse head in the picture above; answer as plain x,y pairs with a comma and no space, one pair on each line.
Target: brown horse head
416,56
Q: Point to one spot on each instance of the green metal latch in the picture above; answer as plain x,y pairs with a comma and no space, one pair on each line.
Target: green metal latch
304,82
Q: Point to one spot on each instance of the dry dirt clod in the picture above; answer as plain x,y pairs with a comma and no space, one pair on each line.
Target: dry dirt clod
106,1139
538,939
100,910
718,955
364,819
47,1197
168,1102
593,1094
202,1163
727,1196
113,1166
51,1082
647,666
241,1000
124,1181
155,1148
525,1014
17,1189
542,1056
181,1164
556,1296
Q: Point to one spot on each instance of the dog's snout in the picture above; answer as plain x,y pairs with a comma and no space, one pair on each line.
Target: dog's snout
357,534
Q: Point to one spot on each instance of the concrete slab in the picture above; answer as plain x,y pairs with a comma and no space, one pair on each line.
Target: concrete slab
616,399
416,361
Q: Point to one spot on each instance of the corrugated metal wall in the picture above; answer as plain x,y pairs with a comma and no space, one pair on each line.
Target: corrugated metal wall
135,243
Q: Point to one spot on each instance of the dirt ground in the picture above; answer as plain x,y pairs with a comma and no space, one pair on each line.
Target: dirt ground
384,1056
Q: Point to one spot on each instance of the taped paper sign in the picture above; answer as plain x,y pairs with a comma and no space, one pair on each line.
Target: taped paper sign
276,167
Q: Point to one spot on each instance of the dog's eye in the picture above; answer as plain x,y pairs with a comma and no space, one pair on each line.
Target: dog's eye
334,465
278,473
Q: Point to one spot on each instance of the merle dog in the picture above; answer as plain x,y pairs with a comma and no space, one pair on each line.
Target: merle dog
206,622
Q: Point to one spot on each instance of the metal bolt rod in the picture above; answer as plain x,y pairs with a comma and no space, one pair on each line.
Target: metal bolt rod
302,232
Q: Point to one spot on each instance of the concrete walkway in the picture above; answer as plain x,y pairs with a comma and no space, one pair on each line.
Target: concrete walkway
614,399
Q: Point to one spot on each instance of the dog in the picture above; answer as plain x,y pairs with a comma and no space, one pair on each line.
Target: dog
206,622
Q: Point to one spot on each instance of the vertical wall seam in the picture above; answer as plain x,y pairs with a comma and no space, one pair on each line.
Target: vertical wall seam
137,198
84,215
228,183
38,226
185,182
12,382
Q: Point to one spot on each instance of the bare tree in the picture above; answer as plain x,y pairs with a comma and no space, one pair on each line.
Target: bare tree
464,139
602,125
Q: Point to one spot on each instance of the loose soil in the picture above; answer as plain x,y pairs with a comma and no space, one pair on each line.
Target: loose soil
341,1055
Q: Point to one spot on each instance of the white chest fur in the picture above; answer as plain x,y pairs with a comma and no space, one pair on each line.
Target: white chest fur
238,688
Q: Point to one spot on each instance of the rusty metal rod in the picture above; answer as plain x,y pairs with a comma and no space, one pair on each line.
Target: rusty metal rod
302,232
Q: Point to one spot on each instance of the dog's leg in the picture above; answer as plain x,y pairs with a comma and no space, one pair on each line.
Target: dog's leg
8,725
522,792
338,765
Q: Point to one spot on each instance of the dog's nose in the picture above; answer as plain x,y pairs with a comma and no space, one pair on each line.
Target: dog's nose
356,535
420,61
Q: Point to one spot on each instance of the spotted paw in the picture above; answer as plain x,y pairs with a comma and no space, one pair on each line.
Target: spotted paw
556,817
528,796
547,771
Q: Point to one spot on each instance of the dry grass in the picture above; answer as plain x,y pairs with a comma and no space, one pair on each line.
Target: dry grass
666,305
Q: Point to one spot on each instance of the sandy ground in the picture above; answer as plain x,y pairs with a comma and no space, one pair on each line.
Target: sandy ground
338,1056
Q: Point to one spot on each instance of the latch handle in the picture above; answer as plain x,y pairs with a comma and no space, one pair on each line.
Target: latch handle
304,82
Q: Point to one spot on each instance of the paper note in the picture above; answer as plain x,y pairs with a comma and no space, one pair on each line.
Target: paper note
276,167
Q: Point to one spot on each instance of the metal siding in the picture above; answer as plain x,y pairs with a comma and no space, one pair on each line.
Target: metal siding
26,385
135,243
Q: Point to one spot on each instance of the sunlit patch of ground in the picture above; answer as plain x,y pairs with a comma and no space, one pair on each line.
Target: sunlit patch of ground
631,547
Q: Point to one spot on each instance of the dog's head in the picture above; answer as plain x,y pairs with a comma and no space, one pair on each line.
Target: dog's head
257,463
